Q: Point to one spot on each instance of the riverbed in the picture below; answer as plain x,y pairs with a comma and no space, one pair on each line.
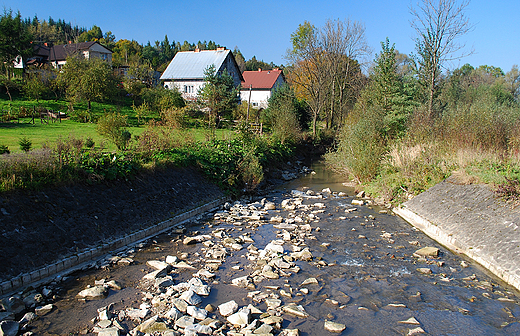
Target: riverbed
364,274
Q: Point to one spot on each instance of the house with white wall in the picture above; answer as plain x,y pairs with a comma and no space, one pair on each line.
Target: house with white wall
258,86
57,55
186,70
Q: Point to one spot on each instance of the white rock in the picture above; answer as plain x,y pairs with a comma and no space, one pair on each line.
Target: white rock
40,311
334,327
191,297
197,313
97,292
296,310
173,314
228,308
170,260
158,265
240,318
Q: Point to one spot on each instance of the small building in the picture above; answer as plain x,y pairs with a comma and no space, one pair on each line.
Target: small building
57,55
186,70
258,86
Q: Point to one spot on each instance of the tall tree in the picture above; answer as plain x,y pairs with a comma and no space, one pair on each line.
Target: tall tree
325,66
15,40
439,25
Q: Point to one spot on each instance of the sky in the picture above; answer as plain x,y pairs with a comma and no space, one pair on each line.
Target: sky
263,28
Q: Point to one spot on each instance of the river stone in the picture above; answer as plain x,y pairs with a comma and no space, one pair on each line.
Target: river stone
296,310
305,255
196,329
240,318
272,320
112,331
269,206
40,311
285,226
228,308
97,292
264,329
180,304
191,297
424,270
114,285
240,282
135,314
9,328
184,321
273,247
289,332
334,327
416,331
170,260
411,320
197,313
158,265
28,317
184,265
151,325
427,252
103,324
310,281
173,314
273,303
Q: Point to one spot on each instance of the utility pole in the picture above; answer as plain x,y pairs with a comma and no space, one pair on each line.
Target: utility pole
249,104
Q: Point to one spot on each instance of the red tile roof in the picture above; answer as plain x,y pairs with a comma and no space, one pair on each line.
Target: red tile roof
261,79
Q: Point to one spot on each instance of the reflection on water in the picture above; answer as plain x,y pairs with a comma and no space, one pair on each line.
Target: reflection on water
366,266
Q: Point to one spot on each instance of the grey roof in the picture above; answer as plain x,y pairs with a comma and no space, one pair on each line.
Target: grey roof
191,64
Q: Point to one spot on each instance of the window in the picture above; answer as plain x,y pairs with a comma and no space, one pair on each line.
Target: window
188,89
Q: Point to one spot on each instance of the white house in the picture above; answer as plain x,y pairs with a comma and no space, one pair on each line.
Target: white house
186,70
258,86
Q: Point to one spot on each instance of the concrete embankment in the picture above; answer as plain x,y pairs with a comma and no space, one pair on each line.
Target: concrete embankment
469,219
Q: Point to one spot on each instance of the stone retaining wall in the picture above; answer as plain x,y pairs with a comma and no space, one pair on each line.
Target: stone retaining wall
72,263
468,219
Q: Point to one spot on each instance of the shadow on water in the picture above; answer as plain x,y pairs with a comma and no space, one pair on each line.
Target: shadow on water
368,278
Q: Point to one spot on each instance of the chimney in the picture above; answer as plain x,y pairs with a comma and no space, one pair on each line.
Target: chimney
276,69
70,42
221,48
259,69
45,44
197,50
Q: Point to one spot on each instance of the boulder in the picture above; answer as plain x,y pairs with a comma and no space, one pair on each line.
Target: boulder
93,293
427,252
228,308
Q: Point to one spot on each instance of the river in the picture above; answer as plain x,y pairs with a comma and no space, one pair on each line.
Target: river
362,259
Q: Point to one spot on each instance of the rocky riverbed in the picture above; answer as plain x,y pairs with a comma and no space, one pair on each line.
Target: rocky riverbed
295,262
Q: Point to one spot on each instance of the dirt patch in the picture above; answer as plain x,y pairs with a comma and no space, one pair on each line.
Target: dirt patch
38,228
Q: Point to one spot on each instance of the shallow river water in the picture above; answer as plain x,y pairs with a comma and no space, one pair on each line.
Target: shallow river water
367,277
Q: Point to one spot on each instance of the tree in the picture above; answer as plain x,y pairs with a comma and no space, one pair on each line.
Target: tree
286,115
439,24
241,61
124,51
88,79
325,67
93,34
219,95
34,86
15,40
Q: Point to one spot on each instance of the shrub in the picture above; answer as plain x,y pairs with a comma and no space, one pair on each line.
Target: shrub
25,144
113,127
89,142
4,149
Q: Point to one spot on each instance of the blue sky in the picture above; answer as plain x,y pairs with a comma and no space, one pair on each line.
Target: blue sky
263,28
